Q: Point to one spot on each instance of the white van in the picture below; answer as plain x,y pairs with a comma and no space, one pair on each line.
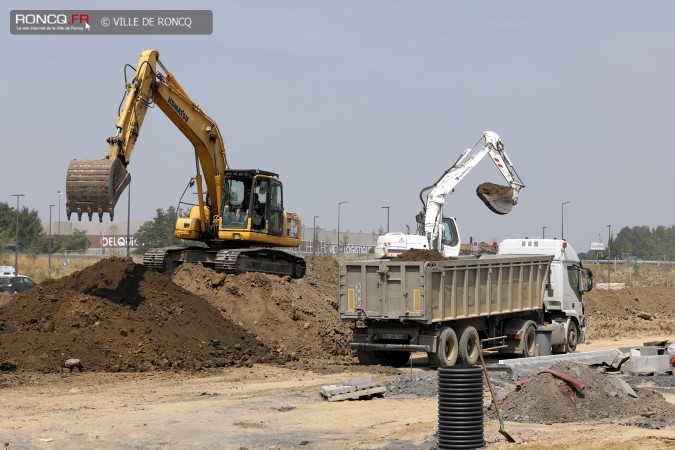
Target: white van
7,271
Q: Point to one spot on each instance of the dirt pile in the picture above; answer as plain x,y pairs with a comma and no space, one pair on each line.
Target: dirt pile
296,318
492,190
117,316
548,399
632,312
420,255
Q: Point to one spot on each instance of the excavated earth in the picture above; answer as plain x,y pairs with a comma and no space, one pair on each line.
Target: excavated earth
117,316
630,313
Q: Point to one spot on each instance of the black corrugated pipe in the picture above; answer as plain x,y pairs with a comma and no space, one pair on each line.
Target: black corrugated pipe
460,407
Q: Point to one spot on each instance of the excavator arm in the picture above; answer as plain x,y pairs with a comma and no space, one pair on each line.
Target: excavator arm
500,199
94,186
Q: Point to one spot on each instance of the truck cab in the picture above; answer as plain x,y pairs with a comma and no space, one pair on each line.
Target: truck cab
566,284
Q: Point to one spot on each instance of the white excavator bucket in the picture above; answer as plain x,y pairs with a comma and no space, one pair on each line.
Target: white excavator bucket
500,199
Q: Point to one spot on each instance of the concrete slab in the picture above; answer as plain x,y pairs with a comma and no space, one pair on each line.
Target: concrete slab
649,364
622,385
353,388
526,367
357,394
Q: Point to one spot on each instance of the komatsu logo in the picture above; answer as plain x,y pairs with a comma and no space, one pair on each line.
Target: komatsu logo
178,110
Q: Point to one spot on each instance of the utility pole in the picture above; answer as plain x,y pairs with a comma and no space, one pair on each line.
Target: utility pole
49,259
315,237
16,245
543,232
58,225
609,236
338,230
387,216
562,215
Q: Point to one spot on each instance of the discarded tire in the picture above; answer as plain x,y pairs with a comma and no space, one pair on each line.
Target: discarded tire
460,407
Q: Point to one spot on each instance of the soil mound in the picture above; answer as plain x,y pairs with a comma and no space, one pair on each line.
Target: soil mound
296,318
118,316
548,399
619,313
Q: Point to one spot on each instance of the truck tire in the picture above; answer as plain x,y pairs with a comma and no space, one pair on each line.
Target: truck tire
382,358
528,342
365,358
397,359
446,350
468,351
572,337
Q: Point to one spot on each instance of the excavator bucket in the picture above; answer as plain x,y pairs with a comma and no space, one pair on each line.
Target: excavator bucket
94,186
496,197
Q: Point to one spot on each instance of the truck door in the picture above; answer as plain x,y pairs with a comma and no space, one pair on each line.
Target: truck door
572,295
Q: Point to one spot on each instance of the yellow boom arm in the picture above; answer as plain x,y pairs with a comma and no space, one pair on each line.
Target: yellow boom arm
95,186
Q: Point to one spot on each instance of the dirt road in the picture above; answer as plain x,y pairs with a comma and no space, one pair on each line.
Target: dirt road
262,407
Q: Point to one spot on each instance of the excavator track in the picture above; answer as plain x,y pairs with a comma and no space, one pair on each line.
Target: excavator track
264,260
236,261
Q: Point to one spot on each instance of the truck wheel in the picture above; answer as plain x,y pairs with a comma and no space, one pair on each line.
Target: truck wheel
468,351
446,351
572,337
365,358
528,342
397,359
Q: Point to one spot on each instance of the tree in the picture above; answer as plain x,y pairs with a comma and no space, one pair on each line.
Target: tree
77,241
345,239
159,232
31,233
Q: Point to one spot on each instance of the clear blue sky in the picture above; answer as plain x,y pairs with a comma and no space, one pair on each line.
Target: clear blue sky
368,102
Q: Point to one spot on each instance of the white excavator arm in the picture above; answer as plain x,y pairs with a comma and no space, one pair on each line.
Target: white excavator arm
500,199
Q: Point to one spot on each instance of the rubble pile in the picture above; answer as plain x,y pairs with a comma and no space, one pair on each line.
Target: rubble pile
548,399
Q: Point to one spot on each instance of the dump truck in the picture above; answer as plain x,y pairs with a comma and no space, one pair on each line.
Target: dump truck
526,300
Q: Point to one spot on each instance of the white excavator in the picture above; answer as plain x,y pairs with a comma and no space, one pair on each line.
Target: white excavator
435,232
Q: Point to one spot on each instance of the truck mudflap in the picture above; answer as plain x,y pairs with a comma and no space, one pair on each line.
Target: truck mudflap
390,347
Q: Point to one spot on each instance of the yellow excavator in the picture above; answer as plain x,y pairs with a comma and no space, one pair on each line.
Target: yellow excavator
238,219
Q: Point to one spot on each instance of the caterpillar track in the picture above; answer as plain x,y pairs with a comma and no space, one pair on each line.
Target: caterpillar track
235,261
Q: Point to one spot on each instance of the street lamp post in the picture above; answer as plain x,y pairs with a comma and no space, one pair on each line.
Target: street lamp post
128,217
562,220
387,208
16,245
49,258
314,237
609,236
58,225
543,232
338,230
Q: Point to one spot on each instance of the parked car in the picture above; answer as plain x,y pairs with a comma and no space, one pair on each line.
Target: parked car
16,284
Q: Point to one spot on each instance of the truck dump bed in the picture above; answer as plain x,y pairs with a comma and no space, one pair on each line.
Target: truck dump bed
435,291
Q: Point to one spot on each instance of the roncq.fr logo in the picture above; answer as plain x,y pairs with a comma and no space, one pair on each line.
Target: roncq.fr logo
51,19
